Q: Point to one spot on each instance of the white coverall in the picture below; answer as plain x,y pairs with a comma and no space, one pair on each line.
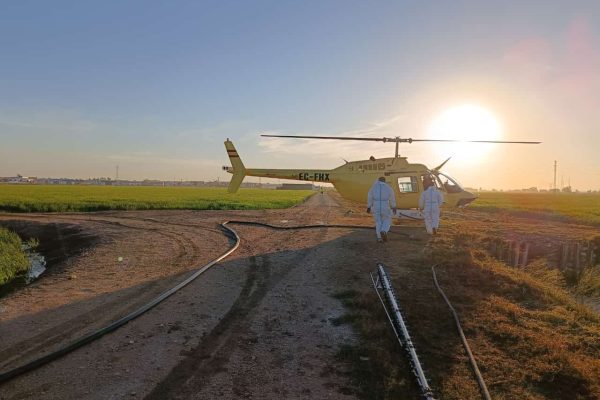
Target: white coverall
381,200
430,202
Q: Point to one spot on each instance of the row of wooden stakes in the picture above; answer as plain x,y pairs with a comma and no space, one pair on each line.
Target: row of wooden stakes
572,254
577,255
515,253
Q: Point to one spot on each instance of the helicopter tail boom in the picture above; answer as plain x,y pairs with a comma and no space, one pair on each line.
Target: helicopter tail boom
237,167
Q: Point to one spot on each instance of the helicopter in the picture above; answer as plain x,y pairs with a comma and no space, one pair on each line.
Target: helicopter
354,179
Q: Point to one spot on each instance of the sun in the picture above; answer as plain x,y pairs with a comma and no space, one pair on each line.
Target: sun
465,122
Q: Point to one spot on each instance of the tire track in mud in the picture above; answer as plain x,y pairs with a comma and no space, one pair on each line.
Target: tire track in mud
52,337
214,350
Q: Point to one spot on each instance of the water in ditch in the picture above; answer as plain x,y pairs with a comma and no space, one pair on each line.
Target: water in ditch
37,264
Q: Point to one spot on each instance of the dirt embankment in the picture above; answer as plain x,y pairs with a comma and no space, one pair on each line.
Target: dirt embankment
291,314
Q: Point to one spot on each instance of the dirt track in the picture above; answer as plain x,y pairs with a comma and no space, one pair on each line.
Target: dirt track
258,325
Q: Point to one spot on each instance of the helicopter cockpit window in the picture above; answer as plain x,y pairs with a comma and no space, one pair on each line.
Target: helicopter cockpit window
450,185
433,178
407,184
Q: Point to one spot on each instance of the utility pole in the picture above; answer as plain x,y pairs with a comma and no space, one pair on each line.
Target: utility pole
117,174
554,176
562,182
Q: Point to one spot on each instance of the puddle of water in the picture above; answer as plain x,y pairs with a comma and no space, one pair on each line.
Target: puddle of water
37,264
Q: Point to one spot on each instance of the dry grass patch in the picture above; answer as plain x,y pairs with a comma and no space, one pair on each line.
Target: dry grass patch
378,368
532,339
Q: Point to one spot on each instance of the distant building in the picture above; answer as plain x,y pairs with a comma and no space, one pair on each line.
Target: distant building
19,179
297,186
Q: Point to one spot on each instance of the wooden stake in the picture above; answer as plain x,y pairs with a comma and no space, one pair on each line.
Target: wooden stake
525,254
517,254
563,256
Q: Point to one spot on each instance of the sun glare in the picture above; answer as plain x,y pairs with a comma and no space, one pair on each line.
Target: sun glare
465,122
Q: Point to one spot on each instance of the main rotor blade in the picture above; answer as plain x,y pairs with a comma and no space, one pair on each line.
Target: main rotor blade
472,141
397,139
437,169
332,137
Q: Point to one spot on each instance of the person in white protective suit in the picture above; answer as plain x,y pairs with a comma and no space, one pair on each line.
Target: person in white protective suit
429,203
381,201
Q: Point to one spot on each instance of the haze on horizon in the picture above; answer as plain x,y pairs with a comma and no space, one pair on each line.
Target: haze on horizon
156,87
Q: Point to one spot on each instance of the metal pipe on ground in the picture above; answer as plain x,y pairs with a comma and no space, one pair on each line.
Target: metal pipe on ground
401,329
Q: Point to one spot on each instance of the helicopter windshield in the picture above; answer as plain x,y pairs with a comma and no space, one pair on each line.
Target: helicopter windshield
449,184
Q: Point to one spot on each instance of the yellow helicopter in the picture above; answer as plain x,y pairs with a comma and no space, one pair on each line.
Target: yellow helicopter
354,179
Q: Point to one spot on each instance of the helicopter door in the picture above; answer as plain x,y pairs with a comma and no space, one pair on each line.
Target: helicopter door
408,186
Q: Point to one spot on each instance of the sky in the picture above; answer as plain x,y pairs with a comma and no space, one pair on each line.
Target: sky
157,86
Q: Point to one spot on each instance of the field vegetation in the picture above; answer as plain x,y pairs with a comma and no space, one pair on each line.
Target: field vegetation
579,207
56,198
13,260
531,338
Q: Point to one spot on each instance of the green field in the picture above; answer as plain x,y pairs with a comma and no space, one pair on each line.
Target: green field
57,198
13,259
560,206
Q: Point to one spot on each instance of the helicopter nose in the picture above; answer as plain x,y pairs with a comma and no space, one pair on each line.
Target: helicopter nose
466,198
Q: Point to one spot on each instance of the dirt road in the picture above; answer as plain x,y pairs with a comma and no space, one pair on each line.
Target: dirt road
258,325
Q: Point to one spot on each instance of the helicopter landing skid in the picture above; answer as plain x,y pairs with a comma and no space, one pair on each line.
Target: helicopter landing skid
409,214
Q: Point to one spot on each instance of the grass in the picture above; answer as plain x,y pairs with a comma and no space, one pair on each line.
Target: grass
531,338
577,207
57,198
588,283
379,368
13,260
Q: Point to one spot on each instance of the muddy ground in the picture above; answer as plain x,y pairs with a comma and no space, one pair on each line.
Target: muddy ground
261,324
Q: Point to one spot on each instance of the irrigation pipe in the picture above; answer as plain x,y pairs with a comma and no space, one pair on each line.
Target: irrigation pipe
385,309
480,381
82,341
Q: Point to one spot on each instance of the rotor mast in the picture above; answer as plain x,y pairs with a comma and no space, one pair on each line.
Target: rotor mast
397,140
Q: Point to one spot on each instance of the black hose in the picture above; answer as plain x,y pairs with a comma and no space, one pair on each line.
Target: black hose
8,375
310,226
480,381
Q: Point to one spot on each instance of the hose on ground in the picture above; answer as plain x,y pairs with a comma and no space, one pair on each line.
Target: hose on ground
478,376
6,376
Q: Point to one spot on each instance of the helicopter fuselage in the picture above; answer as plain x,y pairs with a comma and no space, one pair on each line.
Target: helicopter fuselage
354,179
